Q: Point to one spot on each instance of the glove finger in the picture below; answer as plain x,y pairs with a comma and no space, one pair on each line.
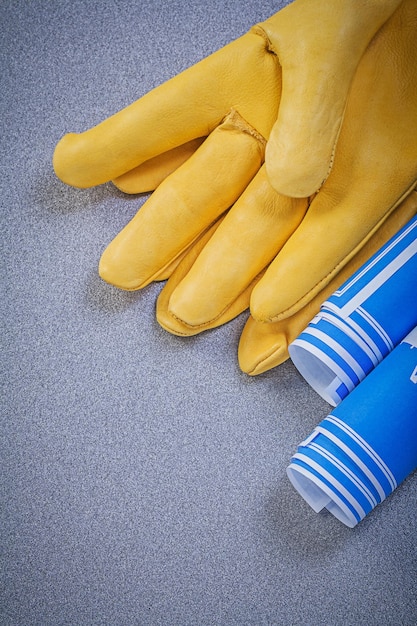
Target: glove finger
248,238
149,175
317,251
173,324
319,47
264,345
184,205
242,75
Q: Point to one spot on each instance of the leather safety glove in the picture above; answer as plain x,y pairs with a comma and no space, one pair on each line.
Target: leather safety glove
232,98
373,170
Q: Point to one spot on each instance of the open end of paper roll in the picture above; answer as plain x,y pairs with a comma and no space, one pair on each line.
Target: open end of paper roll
319,375
319,496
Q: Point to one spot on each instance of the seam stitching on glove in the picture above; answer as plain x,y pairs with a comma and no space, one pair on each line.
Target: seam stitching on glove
333,152
199,326
235,119
257,29
267,357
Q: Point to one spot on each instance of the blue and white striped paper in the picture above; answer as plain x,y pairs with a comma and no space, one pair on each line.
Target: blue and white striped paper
367,446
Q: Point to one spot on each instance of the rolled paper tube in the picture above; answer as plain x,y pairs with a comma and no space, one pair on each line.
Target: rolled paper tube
362,321
367,446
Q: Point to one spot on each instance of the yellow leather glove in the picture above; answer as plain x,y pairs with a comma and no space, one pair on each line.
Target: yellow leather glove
232,98
374,169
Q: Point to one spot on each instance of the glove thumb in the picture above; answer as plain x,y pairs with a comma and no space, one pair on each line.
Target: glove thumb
319,46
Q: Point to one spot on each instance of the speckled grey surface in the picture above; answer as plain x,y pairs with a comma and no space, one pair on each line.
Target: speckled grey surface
143,476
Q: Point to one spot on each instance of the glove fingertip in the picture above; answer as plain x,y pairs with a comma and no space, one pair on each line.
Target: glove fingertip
293,171
261,348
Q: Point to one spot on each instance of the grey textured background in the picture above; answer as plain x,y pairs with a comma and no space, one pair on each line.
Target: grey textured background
143,475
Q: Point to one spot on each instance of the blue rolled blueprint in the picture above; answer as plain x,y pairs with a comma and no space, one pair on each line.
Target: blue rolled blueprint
362,321
367,446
